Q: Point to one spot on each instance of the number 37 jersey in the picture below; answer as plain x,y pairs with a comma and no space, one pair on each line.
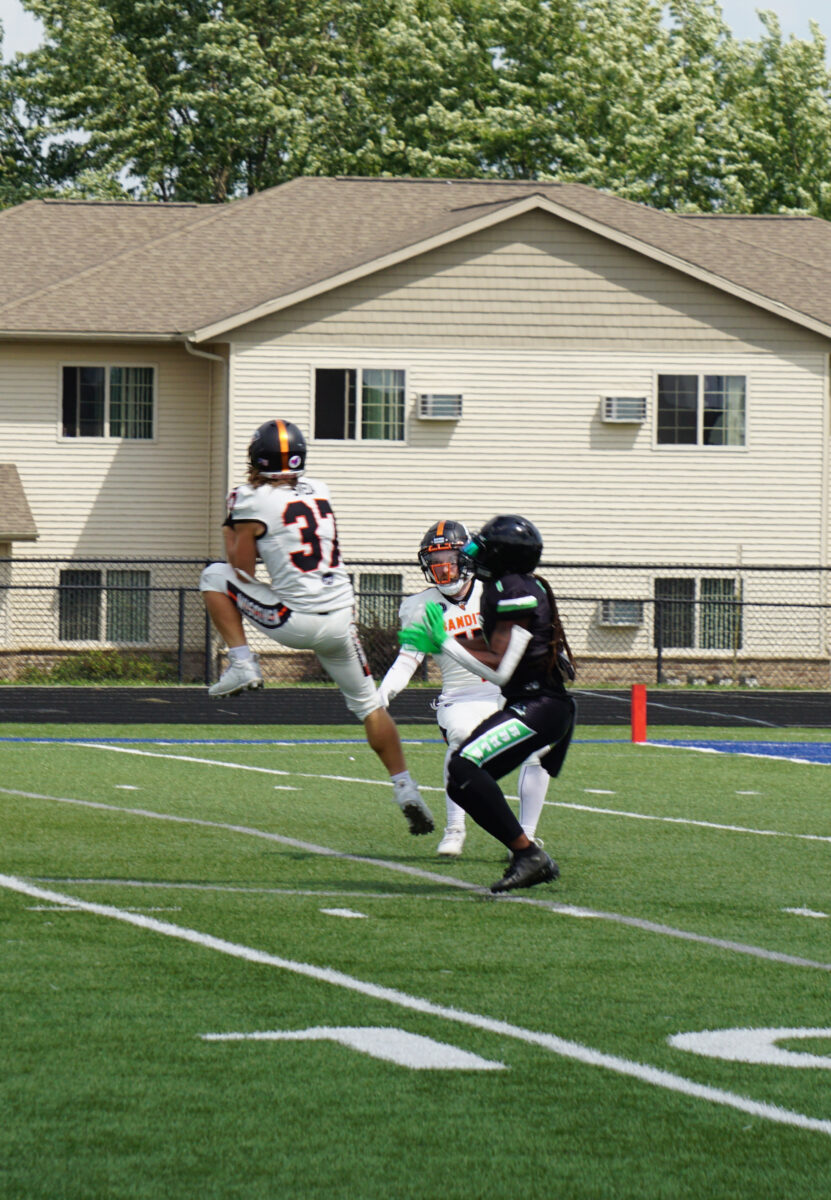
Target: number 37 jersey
299,548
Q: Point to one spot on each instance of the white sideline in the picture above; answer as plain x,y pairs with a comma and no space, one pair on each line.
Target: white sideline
554,906
560,1046
612,812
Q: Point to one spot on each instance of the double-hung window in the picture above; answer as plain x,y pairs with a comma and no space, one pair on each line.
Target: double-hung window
359,404
111,606
701,410
704,614
379,599
108,402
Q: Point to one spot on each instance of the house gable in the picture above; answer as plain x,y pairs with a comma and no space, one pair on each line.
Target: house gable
534,281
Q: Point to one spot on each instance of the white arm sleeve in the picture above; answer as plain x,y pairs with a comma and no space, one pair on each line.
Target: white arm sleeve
399,675
510,659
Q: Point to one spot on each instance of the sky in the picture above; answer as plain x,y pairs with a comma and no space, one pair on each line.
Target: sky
22,32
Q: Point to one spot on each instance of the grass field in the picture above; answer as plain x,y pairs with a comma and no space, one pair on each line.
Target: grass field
425,1040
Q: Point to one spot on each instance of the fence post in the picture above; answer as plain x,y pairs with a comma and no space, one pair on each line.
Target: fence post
659,640
208,671
181,657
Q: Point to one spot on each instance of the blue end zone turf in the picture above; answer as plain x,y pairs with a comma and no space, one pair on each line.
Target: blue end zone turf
805,752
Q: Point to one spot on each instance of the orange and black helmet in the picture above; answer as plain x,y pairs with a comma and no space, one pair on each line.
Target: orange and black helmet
439,558
277,448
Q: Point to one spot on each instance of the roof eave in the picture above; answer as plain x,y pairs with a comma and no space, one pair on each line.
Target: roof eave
503,213
72,335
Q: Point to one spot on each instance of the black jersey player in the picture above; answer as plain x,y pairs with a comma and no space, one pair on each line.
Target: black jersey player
522,648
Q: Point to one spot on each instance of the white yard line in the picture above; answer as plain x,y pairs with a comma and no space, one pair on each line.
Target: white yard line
167,885
440,879
636,816
218,762
559,1046
613,812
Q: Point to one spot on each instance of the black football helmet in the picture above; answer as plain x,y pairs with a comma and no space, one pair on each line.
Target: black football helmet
506,545
277,448
440,559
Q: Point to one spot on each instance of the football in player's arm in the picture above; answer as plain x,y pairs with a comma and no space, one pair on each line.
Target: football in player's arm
465,700
523,650
286,519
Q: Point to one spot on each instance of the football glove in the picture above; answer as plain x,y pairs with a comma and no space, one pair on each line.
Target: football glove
428,635
418,637
434,619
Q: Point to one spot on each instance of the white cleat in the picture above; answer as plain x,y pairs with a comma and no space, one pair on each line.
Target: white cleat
240,676
451,844
419,818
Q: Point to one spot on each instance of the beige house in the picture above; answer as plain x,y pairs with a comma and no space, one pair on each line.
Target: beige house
650,388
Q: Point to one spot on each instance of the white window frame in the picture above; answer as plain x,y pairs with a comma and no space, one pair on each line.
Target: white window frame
359,367
706,614
100,600
699,444
371,598
107,366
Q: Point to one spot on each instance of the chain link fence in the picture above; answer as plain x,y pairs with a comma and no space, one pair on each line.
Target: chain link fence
143,621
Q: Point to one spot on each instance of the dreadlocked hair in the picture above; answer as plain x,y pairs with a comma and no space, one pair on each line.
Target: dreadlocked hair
561,657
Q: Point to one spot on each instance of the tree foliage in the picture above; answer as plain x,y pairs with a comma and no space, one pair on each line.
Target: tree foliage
209,99
784,107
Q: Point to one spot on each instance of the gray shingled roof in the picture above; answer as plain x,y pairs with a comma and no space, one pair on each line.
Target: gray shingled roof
16,521
155,270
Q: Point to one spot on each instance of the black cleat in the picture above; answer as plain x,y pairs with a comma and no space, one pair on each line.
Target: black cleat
526,869
418,820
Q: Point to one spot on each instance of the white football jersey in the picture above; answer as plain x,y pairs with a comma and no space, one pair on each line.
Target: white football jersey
299,548
461,620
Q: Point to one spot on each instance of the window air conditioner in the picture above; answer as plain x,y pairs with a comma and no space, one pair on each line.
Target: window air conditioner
434,406
619,409
621,612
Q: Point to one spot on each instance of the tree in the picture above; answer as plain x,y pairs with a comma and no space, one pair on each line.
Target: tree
205,99
209,99
607,93
23,173
783,104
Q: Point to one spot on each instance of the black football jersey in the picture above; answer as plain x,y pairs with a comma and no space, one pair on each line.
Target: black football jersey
523,598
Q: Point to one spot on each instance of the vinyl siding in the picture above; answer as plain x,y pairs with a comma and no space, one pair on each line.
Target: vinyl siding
534,282
218,433
94,497
531,440
533,322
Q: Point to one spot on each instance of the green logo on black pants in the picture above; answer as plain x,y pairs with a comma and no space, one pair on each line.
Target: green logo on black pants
510,733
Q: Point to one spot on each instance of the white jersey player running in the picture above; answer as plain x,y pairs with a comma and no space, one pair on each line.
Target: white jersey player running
464,700
308,604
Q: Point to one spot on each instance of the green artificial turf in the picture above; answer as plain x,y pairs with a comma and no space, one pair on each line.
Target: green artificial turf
293,852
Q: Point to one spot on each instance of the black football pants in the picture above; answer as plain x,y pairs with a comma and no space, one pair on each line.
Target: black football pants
500,744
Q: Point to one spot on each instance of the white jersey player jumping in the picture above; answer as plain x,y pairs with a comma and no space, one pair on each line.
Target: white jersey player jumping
288,522
464,701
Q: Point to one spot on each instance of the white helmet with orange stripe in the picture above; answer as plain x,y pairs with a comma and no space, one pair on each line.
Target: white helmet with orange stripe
277,448
439,558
